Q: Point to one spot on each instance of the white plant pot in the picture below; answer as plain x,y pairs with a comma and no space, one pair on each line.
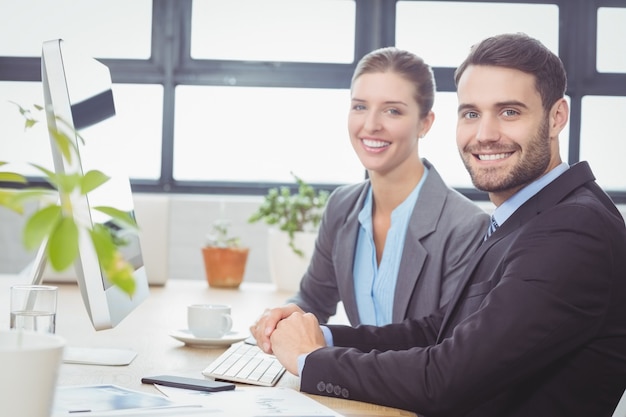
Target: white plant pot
286,267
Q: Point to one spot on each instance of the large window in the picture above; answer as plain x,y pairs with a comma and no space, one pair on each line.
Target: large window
262,133
232,96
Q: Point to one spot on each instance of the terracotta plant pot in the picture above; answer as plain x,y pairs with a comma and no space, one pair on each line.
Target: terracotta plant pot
224,267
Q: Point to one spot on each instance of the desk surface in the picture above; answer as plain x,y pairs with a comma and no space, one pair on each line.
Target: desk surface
147,331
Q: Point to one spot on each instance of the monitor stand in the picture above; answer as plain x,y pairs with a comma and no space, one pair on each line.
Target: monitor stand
82,355
98,356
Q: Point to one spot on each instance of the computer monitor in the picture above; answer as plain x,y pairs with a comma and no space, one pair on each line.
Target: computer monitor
77,90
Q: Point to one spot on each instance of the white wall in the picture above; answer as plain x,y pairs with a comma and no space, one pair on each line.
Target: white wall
191,217
173,229
13,257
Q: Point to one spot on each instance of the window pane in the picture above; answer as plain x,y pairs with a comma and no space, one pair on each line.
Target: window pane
132,139
104,28
601,139
262,134
424,27
273,30
137,135
439,145
20,146
611,49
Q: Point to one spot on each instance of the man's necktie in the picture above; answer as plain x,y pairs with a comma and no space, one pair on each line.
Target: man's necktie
492,227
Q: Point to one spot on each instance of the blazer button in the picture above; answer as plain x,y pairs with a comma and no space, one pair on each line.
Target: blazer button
329,388
321,386
345,393
337,390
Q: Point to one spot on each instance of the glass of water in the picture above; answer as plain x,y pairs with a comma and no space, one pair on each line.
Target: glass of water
34,307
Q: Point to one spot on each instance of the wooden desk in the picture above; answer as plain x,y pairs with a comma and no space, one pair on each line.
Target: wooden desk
147,331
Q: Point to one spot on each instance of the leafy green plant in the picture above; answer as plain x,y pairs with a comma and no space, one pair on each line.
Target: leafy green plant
291,213
53,221
220,236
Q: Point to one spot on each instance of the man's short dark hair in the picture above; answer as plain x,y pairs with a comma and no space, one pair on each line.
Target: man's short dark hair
521,52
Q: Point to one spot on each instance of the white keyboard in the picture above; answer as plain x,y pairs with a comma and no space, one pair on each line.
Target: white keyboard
247,364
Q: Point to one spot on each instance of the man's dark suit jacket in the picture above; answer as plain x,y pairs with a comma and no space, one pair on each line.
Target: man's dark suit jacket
536,328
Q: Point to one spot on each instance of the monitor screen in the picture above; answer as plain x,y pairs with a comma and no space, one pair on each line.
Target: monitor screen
77,90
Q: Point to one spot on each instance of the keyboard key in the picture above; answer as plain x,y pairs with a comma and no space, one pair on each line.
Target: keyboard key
250,367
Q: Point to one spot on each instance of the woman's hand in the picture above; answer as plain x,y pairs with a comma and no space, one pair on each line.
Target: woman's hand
263,328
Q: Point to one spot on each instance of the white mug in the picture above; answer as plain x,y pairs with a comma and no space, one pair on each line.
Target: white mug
29,364
209,321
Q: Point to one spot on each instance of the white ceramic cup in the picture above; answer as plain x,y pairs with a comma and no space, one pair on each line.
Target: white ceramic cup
29,364
209,321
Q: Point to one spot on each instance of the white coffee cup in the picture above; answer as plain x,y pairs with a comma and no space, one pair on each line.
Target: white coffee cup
29,364
209,321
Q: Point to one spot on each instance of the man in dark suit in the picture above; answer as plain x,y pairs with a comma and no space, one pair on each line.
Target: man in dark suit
537,326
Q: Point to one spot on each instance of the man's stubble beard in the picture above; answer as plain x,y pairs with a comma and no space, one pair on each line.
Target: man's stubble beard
532,165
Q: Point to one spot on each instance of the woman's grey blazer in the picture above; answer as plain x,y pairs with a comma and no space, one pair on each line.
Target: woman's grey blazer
444,230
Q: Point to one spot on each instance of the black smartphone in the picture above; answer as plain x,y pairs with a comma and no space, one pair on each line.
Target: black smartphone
197,384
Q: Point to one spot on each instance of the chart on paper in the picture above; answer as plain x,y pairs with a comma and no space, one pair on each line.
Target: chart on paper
256,401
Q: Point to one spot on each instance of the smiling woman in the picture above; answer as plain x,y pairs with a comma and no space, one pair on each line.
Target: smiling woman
391,247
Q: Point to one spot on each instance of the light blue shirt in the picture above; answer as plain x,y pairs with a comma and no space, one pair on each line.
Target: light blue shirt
375,285
506,209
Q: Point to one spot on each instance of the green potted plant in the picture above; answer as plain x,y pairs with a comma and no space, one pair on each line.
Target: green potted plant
292,212
294,219
52,221
224,257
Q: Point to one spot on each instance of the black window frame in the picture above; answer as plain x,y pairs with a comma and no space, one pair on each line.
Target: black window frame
170,64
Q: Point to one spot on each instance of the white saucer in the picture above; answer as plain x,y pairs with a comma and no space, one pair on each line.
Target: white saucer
228,339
